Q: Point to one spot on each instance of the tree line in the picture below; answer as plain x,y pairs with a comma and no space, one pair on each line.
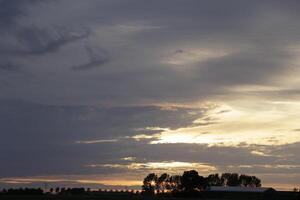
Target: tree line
22,191
39,191
191,181
61,191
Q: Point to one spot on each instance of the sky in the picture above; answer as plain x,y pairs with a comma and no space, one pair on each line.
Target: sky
99,93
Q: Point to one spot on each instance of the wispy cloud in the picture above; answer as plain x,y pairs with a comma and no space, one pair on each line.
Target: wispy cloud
97,59
172,166
96,141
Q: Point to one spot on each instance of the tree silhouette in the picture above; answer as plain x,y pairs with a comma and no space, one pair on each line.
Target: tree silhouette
162,181
191,181
174,183
149,183
249,181
214,180
230,179
256,182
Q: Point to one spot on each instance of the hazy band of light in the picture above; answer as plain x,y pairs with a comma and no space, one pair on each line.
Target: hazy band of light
96,141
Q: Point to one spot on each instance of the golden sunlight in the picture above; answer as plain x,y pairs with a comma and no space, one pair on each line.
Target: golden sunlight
241,123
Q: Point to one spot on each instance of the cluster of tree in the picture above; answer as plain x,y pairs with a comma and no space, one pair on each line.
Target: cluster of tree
73,191
296,190
23,191
191,181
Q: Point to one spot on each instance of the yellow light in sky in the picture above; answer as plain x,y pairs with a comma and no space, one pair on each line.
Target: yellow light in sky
191,56
265,123
118,181
157,166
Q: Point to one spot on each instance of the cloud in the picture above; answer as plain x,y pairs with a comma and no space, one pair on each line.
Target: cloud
9,67
40,41
24,127
30,40
96,141
161,167
96,60
10,11
234,54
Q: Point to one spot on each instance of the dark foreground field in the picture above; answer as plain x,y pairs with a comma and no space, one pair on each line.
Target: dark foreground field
116,196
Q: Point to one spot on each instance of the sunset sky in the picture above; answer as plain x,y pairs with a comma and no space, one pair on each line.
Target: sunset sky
99,93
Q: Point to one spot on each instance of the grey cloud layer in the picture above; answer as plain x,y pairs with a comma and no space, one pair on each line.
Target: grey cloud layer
134,39
47,135
41,140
